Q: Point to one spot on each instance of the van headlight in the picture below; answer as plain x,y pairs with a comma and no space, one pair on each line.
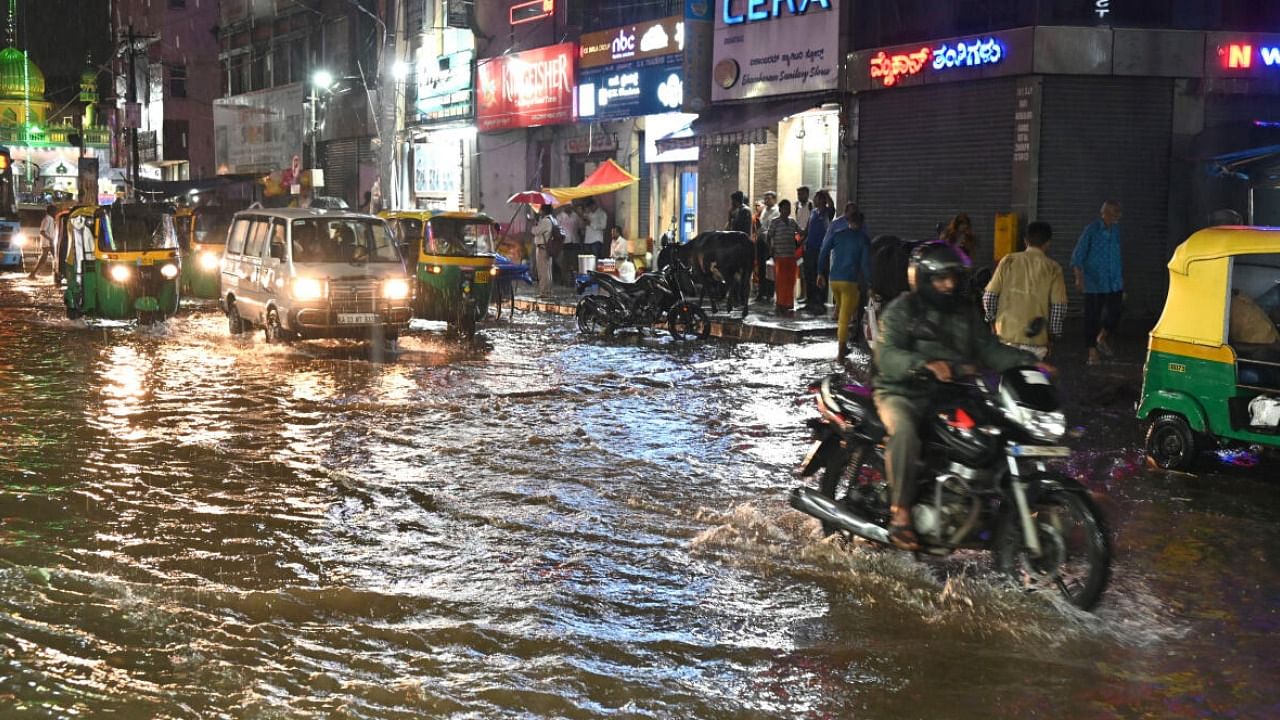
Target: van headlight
395,289
307,289
169,271
209,260
18,240
120,273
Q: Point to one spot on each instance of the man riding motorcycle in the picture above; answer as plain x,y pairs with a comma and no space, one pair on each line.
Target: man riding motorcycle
934,332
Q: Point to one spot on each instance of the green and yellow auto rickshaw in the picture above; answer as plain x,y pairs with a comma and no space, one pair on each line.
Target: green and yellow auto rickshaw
1199,380
455,263
120,262
202,238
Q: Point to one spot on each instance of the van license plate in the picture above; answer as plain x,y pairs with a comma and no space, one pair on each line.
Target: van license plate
357,318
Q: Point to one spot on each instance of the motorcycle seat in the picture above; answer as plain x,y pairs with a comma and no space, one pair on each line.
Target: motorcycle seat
857,403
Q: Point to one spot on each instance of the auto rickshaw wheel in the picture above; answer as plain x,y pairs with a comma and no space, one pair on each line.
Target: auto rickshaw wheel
235,324
1172,444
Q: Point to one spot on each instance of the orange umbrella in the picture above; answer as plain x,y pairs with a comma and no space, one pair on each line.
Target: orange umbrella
609,177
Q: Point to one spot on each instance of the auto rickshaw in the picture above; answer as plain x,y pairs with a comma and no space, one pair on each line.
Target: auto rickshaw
455,263
202,238
1198,384
120,262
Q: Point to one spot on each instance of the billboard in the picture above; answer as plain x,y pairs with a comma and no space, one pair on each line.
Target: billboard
629,43
259,131
631,90
763,49
443,86
526,89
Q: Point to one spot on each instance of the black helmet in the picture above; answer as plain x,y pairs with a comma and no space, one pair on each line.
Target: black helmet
932,260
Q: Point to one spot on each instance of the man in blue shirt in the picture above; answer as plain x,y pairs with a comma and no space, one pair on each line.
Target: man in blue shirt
843,262
1098,272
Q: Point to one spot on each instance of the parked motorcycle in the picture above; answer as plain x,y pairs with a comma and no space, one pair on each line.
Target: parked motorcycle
654,298
984,480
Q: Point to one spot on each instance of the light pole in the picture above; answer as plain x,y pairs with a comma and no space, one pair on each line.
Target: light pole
320,80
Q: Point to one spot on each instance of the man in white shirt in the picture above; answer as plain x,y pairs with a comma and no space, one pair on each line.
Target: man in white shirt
597,223
48,229
571,226
542,256
619,246
764,286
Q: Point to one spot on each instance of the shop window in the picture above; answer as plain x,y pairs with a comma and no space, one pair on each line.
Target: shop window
177,81
10,117
176,139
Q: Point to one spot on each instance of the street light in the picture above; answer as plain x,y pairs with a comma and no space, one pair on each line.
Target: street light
320,80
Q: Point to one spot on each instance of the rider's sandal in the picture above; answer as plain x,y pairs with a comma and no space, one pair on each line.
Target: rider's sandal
903,537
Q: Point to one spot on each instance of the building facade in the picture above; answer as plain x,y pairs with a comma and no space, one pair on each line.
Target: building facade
176,77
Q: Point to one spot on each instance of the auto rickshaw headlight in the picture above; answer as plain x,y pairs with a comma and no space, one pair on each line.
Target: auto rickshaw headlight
494,271
120,273
307,289
209,260
169,271
395,289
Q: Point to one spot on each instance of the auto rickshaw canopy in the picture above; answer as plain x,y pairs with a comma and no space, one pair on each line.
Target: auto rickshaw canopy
1195,310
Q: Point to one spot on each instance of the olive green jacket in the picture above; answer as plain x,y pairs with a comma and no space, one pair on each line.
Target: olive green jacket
913,333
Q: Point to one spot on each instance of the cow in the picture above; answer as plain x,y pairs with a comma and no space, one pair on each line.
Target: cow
720,258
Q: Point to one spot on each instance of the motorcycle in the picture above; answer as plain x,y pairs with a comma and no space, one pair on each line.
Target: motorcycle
984,480
654,297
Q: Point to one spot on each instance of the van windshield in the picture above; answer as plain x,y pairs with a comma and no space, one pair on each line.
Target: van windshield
349,240
130,228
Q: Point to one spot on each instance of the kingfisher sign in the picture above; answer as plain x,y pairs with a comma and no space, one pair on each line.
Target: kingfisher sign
526,89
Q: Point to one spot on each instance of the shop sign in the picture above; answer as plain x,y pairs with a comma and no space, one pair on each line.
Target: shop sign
629,91
591,143
1242,55
443,85
756,136
532,10
526,89
437,170
632,42
763,48
888,68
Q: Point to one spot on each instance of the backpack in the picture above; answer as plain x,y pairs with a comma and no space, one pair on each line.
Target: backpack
555,242
889,259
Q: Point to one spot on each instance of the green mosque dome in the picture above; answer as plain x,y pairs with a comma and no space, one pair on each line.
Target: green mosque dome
19,77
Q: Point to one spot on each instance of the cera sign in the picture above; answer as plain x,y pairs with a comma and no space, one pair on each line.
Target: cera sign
763,48
526,89
632,42
887,68
610,94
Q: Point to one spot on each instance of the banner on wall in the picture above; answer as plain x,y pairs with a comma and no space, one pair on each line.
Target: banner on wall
258,131
437,169
765,49
526,89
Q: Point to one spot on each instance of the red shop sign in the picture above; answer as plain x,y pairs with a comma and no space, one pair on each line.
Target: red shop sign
526,89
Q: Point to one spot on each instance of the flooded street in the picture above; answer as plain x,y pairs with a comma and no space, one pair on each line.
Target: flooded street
547,527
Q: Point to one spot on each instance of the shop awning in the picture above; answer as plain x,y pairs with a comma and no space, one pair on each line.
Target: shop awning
609,177
1239,150
738,124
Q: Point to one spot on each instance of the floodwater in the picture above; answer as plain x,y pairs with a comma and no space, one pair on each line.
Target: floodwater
195,526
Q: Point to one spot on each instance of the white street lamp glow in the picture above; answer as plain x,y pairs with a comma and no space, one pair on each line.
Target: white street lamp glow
400,69
322,79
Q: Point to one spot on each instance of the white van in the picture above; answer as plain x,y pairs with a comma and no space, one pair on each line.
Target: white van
306,273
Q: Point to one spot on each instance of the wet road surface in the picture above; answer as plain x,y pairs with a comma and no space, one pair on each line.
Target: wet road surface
546,527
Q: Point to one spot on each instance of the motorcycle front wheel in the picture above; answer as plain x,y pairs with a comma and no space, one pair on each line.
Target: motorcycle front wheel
688,321
1075,549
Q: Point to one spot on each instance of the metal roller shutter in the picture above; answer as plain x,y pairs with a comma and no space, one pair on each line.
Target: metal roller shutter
1102,138
341,162
927,153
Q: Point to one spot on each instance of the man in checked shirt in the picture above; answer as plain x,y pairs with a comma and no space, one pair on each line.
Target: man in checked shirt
1027,296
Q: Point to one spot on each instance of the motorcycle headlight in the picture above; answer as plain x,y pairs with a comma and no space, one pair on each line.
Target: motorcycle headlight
307,289
120,273
1043,426
209,260
169,271
395,289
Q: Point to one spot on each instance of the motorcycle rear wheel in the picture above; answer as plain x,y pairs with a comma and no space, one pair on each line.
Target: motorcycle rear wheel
1076,549
592,318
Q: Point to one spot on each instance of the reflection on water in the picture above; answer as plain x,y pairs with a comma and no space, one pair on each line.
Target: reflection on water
198,526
